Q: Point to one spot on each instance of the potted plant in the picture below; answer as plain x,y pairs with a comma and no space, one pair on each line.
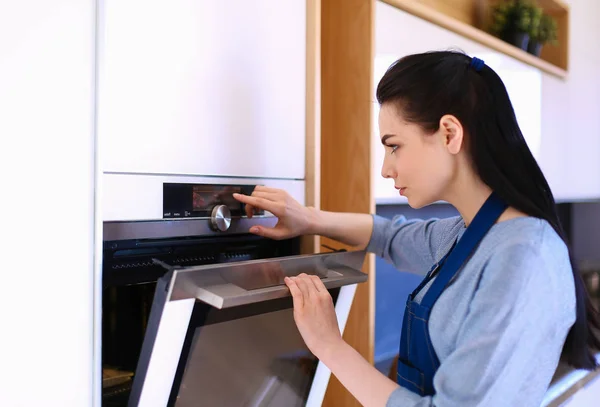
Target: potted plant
512,21
546,32
536,14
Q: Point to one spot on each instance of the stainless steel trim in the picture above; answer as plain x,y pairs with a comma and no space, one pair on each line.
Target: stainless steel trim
231,284
257,180
172,228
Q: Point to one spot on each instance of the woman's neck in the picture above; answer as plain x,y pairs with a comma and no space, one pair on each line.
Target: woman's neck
468,199
468,193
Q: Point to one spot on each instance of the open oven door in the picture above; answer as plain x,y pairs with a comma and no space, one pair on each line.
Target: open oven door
224,334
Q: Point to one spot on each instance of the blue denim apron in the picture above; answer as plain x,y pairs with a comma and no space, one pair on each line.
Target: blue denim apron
418,362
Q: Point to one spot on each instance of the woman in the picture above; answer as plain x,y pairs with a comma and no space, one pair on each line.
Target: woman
500,302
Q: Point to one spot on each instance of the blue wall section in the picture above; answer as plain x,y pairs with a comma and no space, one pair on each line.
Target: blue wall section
392,286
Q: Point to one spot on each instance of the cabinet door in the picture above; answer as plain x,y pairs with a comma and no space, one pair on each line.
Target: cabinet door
203,87
50,305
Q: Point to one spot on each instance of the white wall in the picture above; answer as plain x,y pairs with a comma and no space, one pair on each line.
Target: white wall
559,118
47,177
571,110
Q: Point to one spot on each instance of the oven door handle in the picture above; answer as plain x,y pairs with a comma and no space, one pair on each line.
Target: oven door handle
233,284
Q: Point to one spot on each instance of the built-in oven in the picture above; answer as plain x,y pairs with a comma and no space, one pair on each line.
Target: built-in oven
195,311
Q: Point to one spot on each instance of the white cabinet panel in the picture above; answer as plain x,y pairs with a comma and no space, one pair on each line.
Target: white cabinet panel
50,228
203,87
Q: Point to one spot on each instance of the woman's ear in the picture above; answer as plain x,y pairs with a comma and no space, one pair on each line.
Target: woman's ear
452,133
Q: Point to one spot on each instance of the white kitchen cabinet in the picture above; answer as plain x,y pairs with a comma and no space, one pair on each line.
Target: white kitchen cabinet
202,87
558,117
50,353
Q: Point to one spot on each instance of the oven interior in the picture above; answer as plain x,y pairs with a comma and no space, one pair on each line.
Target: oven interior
130,273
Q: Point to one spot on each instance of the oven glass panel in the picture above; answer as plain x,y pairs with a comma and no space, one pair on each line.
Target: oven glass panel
257,359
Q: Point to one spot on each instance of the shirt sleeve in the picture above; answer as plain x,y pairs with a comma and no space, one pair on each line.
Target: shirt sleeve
411,245
511,330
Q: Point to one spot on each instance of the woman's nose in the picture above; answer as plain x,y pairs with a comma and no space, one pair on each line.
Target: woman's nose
387,170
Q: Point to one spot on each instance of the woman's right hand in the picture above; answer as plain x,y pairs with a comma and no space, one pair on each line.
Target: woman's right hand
294,219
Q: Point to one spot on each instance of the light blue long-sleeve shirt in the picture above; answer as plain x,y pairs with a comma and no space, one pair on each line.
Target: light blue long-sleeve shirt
499,327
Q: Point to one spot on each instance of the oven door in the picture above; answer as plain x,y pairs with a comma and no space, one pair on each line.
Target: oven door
224,334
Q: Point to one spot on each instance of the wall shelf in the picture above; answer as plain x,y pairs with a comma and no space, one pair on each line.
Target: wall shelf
466,17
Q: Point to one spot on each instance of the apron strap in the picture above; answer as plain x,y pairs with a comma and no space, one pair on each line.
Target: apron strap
481,224
432,272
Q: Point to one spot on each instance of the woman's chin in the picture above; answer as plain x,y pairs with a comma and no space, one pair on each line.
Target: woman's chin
416,203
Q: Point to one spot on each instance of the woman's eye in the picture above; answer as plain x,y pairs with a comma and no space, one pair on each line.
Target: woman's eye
394,148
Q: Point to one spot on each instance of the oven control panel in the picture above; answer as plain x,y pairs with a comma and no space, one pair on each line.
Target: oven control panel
212,201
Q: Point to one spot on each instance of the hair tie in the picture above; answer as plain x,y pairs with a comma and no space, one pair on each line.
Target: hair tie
477,64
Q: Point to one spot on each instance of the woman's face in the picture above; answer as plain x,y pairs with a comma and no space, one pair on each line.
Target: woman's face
420,164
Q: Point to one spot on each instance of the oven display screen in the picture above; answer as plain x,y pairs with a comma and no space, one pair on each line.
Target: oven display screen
206,197
198,200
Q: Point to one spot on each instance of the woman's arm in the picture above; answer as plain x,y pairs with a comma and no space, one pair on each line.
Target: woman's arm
353,229
507,346
315,317
294,219
368,385
411,245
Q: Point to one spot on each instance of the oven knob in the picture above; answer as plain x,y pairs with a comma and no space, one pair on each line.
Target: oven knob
221,218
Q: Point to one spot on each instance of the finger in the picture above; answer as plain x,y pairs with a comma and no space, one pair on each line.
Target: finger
297,296
320,287
249,210
303,285
263,188
269,196
271,233
261,203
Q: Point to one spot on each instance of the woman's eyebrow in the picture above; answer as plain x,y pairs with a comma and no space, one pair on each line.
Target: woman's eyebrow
385,137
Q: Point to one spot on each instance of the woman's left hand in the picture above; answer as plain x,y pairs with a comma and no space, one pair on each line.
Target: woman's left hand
314,314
